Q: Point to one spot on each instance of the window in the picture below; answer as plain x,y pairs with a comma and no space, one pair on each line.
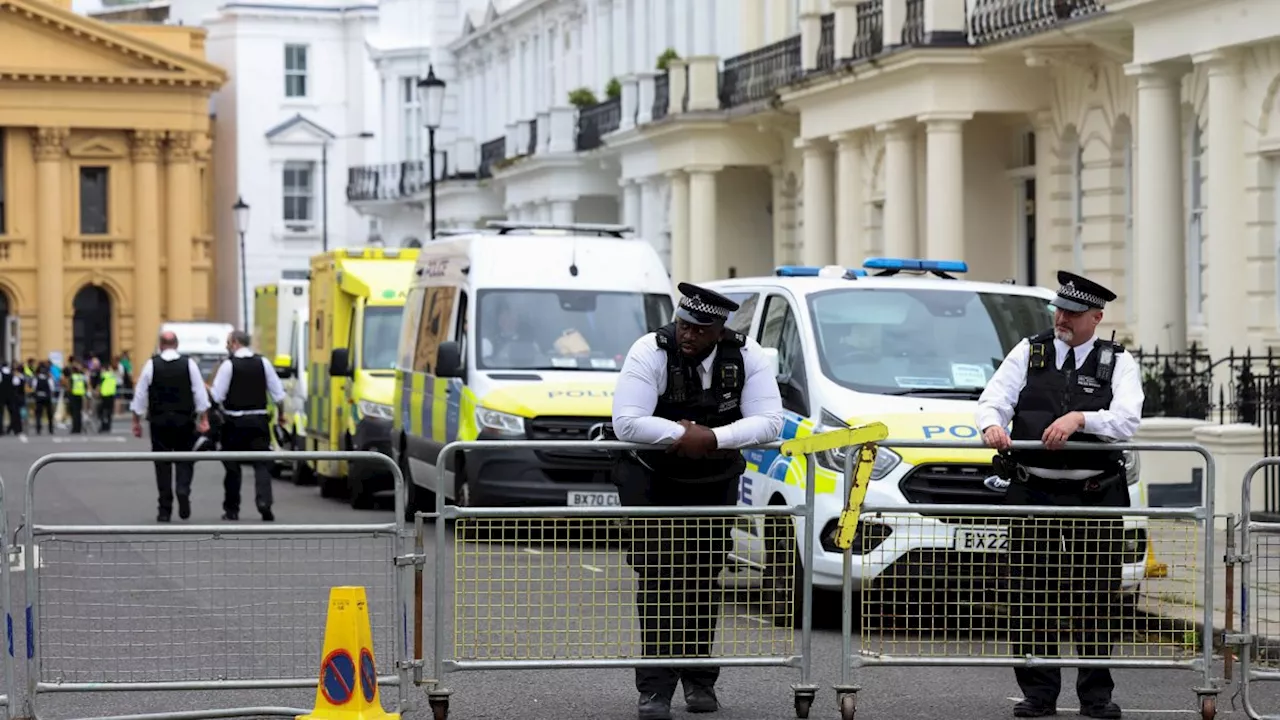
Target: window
93,201
299,195
409,329
563,329
1195,226
913,341
1077,212
381,331
411,117
740,321
779,330
3,206
433,326
295,71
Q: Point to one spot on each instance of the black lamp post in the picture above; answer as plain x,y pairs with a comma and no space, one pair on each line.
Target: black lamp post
431,97
241,209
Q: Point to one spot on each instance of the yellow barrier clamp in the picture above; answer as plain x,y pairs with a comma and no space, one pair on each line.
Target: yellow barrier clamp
847,526
835,439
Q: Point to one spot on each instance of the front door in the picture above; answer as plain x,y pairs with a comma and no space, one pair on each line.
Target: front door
91,323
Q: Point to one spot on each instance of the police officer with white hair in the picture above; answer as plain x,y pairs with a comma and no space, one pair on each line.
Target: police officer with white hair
703,391
1064,385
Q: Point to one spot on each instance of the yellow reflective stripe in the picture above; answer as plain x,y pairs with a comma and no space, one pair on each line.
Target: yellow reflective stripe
439,409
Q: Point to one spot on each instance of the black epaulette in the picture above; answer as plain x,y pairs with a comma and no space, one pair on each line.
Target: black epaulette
664,339
734,338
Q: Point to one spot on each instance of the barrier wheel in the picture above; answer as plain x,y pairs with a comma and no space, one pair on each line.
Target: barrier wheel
803,703
848,706
439,708
1208,707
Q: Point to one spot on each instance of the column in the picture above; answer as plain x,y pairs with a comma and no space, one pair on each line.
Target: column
146,236
819,246
781,230
178,211
944,189
1226,272
751,24
778,20
899,189
562,212
679,225
850,200
50,148
631,205
1046,146
1160,280
703,245
651,218
618,62
703,26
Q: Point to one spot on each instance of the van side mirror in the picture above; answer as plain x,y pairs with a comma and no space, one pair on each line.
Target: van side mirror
340,363
283,365
449,360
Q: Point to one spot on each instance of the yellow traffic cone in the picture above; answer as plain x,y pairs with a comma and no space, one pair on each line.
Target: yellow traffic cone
1155,569
348,687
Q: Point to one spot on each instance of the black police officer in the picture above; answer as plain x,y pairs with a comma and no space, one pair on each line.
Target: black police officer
1065,385
704,392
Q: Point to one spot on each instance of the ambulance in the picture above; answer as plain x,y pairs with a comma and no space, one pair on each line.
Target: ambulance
280,312
356,300
906,343
520,334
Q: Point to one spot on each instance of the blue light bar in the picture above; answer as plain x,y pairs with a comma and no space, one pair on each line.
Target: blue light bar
880,263
812,271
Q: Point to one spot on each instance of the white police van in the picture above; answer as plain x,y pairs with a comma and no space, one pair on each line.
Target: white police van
905,343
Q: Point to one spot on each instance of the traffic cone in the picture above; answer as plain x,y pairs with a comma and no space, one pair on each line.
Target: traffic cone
1155,569
348,687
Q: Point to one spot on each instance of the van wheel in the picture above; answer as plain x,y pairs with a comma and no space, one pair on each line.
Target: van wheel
302,472
416,498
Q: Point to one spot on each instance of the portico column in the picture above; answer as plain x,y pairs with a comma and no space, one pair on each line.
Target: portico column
752,23
146,235
777,16
900,232
562,212
631,206
944,189
819,246
679,225
1160,278
178,211
849,243
50,148
703,245
1226,307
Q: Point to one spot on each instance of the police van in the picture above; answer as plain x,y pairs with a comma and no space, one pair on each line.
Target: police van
519,333
906,343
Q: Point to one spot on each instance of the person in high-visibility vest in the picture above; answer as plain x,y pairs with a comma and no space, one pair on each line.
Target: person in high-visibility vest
77,386
106,399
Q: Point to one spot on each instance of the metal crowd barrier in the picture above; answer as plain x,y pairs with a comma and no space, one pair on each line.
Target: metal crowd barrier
523,598
1258,643
988,585
204,607
10,678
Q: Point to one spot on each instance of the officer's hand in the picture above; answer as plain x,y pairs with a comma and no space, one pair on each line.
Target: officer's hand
696,442
1055,436
137,427
995,437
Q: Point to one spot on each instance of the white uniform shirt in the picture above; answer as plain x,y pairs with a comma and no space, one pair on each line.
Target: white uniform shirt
198,390
1118,423
644,377
222,384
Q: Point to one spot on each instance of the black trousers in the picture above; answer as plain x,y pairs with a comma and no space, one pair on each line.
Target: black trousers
44,411
678,562
246,433
75,408
1065,574
172,436
15,414
106,411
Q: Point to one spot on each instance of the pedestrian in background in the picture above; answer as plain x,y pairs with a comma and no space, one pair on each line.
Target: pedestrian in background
172,395
10,399
42,386
241,387
77,384
106,399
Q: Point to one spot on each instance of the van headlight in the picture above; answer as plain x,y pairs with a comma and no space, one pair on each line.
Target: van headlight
1131,466
886,461
499,423
375,410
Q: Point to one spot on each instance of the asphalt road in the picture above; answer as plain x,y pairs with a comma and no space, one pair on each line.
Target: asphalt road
115,608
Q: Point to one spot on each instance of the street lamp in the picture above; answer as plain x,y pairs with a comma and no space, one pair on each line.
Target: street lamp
431,98
241,209
324,182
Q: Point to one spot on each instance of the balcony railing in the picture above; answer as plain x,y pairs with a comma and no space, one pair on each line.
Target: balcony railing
756,75
490,153
913,26
661,95
389,181
597,121
869,40
996,20
827,43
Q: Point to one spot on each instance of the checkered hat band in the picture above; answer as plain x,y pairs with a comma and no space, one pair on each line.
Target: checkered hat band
695,305
1071,292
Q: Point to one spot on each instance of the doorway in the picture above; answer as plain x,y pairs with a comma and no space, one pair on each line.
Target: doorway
9,341
91,323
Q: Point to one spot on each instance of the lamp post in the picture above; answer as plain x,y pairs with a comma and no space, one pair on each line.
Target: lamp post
324,183
241,209
431,98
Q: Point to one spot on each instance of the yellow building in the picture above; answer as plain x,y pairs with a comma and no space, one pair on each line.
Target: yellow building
106,186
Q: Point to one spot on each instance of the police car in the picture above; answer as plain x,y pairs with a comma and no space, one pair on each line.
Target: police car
906,343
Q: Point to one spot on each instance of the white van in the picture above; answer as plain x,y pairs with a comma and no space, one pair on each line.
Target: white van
520,334
912,347
204,342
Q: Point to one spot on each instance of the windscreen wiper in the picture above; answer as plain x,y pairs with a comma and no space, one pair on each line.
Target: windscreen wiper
957,392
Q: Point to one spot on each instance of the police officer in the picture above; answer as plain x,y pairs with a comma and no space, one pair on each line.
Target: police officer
704,392
171,393
1064,385
78,385
241,387
42,389
106,399
10,387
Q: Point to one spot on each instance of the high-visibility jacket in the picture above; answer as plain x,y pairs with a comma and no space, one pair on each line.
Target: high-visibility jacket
108,387
78,384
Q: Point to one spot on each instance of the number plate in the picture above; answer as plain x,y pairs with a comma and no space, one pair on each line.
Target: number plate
593,499
982,540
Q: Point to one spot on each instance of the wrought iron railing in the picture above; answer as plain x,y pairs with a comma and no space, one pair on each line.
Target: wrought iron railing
827,42
387,181
661,95
869,39
596,121
996,20
913,26
758,74
491,152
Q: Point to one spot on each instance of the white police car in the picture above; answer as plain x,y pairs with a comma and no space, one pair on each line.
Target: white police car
906,343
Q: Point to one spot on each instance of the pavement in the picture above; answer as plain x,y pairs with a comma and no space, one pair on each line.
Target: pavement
115,608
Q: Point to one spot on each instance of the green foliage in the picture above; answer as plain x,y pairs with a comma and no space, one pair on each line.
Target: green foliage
666,57
582,97
613,89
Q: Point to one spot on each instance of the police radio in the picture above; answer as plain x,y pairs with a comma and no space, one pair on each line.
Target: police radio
1107,359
